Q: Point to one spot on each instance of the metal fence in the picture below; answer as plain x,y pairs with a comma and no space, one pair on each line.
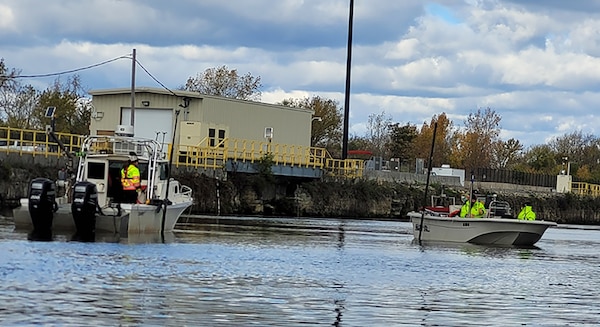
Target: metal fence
513,177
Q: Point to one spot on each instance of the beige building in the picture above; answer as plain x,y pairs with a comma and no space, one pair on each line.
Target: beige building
201,117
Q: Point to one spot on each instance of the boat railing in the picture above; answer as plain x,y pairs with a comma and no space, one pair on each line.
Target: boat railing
186,190
498,209
100,144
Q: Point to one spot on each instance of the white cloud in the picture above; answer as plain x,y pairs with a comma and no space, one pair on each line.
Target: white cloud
535,65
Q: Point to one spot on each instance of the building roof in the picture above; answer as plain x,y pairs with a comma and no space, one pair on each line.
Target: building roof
180,93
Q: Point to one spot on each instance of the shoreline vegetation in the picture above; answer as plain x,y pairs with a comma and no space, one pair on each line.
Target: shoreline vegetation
268,195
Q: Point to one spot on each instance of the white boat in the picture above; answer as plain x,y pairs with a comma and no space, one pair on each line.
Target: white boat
97,191
490,230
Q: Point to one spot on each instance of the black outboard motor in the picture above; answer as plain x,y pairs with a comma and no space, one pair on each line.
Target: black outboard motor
83,208
42,196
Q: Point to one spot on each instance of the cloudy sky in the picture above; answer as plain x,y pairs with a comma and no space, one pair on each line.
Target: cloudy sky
536,63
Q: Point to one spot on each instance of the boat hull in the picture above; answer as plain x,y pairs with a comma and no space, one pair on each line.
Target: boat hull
487,231
131,219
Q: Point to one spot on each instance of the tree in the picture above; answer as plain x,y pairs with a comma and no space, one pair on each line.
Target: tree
401,142
474,146
73,110
9,90
506,154
443,138
224,82
19,111
378,134
541,159
326,129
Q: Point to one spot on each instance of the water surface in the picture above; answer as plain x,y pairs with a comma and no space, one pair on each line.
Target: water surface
289,272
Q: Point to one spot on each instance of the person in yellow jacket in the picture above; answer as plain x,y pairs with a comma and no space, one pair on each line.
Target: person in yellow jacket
131,180
526,213
472,208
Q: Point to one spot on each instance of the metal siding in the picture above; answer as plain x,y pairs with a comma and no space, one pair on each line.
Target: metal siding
248,120
245,119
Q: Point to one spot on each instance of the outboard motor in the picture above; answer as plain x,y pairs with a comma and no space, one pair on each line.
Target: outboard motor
83,208
42,196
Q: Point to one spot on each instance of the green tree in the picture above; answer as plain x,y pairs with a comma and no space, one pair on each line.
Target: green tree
505,155
401,142
225,82
326,128
73,110
541,159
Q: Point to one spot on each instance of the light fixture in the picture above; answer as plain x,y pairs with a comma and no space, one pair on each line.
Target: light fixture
98,115
145,103
317,118
186,102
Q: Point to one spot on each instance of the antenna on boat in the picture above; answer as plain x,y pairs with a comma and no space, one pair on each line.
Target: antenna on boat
166,200
133,62
427,182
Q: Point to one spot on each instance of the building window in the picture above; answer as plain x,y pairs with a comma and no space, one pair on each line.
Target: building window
221,138
211,136
214,140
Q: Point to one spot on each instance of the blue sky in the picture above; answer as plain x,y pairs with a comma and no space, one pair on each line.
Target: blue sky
537,64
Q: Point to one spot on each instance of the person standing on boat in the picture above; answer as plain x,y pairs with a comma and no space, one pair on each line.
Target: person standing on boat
472,208
131,180
526,213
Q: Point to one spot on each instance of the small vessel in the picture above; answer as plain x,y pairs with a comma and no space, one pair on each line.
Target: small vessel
498,227
93,201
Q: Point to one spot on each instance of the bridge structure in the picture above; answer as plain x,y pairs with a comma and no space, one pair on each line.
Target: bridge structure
228,155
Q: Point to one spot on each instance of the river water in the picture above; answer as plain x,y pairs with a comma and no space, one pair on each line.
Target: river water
291,272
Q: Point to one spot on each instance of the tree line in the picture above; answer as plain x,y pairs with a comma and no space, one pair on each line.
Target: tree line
474,144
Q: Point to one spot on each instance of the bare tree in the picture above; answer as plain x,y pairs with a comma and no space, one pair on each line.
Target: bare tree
378,134
225,82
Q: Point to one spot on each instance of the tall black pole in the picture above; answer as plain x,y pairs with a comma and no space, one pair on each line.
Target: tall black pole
347,94
429,166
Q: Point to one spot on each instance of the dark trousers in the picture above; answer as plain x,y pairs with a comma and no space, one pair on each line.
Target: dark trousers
130,196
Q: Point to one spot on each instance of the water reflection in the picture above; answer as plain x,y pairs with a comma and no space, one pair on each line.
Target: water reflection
315,272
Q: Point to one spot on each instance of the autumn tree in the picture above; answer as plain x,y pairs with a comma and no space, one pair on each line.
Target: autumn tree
579,150
326,129
474,145
225,82
443,139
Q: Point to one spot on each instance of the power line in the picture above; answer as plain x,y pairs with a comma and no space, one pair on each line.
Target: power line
127,56
154,78
68,71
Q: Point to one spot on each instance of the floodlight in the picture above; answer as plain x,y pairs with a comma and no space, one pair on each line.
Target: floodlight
50,112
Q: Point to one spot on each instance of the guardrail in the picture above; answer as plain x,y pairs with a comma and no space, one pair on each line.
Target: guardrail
208,154
585,188
36,142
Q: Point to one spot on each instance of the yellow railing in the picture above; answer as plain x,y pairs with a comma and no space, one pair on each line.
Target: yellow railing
35,142
208,154
585,188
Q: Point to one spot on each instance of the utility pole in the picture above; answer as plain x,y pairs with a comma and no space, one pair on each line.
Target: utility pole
347,94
